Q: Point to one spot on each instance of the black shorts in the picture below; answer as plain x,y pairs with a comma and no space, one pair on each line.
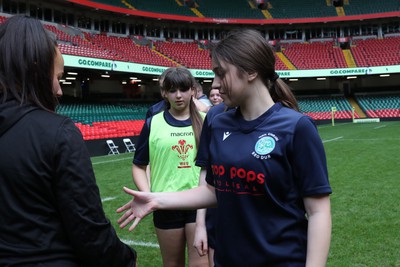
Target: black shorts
173,219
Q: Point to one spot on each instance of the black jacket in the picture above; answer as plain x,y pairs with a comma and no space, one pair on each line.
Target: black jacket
50,207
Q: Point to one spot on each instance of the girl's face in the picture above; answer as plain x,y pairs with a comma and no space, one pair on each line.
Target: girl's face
179,99
231,84
215,97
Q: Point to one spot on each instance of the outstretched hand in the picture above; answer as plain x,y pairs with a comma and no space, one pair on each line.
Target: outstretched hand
136,209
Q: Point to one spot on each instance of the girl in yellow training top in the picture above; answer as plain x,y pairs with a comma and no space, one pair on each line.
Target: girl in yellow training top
169,141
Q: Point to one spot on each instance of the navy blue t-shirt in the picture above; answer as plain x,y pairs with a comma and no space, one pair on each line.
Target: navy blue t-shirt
262,170
156,108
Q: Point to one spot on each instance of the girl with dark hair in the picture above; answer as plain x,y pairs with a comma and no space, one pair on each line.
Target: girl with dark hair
169,140
263,163
50,206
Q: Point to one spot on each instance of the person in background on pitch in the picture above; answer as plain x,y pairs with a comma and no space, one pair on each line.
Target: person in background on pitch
202,98
215,97
161,105
50,206
265,167
169,141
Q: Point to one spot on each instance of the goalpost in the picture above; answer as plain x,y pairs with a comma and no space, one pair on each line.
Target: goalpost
364,120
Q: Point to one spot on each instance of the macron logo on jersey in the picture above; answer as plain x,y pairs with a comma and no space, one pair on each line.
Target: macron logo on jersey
226,135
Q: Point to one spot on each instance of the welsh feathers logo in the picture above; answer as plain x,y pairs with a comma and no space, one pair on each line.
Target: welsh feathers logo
182,148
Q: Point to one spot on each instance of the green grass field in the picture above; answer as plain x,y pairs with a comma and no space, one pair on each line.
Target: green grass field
363,163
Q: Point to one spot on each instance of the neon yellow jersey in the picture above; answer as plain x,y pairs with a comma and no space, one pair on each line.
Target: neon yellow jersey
172,152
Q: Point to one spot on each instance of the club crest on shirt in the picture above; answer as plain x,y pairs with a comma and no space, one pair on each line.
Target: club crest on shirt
265,145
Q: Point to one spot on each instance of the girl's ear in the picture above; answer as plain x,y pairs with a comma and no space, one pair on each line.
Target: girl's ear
252,76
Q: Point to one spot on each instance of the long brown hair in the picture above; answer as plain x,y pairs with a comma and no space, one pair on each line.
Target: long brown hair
179,78
27,53
250,52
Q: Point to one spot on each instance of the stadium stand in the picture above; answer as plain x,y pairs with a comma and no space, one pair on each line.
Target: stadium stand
103,121
303,55
162,6
283,9
320,107
86,52
279,64
186,53
357,7
380,106
129,51
279,9
376,52
316,55
229,9
100,121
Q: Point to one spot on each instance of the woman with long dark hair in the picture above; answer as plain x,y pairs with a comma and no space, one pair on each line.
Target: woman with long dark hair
50,206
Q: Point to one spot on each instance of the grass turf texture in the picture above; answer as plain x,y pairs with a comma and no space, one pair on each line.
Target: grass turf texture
363,164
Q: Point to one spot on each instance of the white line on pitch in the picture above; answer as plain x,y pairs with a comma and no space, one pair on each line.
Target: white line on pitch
381,126
107,199
334,139
140,243
108,161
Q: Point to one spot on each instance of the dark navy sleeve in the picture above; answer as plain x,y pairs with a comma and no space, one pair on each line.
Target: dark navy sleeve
202,158
156,108
149,112
203,153
309,159
142,155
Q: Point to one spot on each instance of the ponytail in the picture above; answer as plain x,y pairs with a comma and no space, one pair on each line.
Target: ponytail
280,92
197,121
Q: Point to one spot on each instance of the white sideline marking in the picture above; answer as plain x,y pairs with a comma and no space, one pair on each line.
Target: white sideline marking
382,126
334,139
107,199
108,161
140,243
373,139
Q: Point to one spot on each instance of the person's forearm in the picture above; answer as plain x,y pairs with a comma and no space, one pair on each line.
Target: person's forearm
140,178
319,237
195,198
142,184
201,213
201,217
